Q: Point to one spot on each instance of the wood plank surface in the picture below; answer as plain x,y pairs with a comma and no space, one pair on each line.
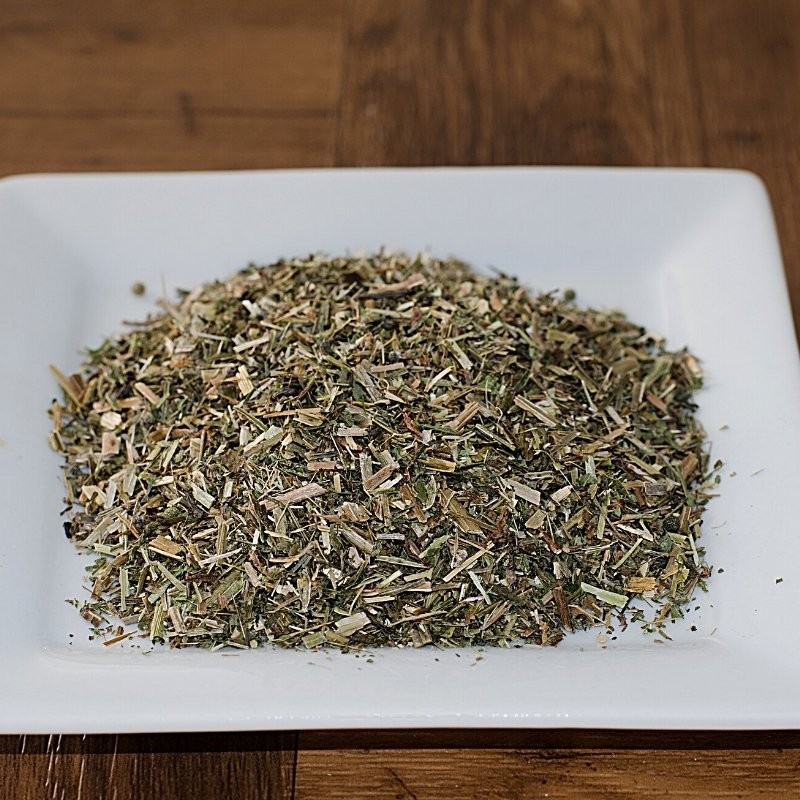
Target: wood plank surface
591,765
190,766
187,139
191,84
475,83
134,58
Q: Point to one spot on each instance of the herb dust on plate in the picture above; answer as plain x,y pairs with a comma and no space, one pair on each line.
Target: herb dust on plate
382,450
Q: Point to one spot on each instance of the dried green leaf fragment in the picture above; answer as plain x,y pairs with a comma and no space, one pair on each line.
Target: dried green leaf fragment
381,450
604,595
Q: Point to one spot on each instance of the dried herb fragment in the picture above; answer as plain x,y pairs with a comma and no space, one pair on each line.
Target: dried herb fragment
381,450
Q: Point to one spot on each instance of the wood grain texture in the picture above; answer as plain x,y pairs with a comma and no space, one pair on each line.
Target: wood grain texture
247,766
138,57
504,82
187,139
191,84
565,764
559,774
93,85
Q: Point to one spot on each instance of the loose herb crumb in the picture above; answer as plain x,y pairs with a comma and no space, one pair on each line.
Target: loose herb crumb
382,450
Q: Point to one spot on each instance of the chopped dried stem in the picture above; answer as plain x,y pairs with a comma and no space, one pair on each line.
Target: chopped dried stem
381,450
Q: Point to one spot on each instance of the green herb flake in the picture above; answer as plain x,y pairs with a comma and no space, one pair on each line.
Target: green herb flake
381,450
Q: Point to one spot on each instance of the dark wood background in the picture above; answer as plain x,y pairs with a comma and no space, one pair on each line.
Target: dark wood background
201,84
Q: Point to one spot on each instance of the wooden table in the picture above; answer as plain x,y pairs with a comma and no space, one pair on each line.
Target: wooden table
197,84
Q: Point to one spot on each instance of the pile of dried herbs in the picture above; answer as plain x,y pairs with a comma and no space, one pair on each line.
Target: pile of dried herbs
381,450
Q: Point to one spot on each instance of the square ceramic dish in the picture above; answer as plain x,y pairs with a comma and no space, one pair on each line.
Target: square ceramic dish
691,254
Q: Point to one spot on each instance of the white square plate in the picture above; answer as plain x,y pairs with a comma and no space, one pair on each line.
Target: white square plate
691,254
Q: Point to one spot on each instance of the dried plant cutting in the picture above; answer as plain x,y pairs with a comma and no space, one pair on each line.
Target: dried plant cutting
381,450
